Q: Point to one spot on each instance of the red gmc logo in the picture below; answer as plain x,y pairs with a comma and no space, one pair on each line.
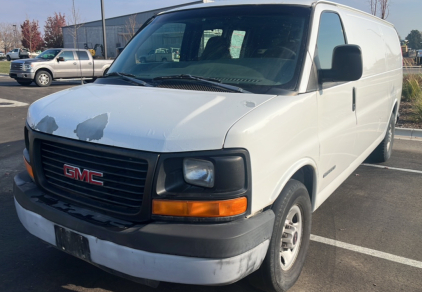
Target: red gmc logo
86,175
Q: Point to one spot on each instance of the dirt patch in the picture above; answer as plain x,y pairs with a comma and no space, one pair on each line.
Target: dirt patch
407,119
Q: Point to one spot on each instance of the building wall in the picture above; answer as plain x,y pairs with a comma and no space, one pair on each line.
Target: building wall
117,29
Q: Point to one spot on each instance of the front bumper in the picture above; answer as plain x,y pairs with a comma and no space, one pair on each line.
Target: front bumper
22,74
205,254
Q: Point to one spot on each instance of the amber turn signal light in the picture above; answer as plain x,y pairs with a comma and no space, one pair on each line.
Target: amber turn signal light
29,168
200,208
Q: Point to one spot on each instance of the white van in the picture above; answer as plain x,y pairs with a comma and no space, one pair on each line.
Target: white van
206,170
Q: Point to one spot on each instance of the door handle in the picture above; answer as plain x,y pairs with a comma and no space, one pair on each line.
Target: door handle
354,100
89,63
74,63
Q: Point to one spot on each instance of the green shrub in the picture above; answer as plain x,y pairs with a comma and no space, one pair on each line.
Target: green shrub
412,87
417,110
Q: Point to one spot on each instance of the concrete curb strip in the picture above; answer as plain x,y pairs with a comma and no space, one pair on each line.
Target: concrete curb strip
408,133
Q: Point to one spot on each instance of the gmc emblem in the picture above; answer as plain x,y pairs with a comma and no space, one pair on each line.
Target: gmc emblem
86,175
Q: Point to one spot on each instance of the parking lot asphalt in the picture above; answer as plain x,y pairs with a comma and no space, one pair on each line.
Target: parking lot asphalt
375,208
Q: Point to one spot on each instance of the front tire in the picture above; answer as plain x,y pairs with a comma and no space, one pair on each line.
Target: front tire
43,78
289,242
8,58
384,150
24,82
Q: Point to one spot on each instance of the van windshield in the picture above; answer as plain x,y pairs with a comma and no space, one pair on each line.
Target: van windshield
257,48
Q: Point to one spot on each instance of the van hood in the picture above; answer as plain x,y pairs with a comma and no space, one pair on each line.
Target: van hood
142,118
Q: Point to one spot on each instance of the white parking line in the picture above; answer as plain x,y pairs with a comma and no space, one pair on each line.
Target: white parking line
11,103
393,168
368,251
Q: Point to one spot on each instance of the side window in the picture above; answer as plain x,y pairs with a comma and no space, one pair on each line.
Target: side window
330,35
67,55
82,55
15,50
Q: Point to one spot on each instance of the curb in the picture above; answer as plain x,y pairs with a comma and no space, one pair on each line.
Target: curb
412,67
405,133
4,74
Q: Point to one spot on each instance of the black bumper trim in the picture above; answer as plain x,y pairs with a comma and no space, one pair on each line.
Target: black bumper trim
218,240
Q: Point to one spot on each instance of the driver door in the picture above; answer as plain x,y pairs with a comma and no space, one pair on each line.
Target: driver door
68,68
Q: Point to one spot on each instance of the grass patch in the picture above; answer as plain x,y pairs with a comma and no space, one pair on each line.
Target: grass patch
4,67
412,92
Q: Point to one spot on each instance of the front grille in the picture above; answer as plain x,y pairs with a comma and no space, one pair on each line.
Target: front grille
17,66
123,178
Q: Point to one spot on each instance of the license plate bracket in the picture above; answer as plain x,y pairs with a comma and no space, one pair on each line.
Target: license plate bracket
72,243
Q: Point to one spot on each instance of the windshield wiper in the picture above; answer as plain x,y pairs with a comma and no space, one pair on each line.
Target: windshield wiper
129,77
212,81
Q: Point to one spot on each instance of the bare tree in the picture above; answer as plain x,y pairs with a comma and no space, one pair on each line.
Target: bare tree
374,6
384,8
7,37
130,27
75,21
380,8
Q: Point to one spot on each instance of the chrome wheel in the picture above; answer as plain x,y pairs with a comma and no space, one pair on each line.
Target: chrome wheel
43,79
291,238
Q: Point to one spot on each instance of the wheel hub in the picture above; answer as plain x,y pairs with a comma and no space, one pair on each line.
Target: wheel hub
291,237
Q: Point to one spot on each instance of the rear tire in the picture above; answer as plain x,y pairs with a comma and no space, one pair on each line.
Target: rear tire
164,60
289,242
383,151
43,78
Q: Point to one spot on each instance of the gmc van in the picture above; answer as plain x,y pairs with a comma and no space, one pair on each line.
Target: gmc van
207,170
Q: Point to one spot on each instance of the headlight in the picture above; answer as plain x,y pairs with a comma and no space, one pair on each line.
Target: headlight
202,185
198,172
27,67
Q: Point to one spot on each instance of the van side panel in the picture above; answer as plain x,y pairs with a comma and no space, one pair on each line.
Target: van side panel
281,136
380,84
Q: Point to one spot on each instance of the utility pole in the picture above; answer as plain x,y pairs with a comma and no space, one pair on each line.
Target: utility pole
104,30
14,38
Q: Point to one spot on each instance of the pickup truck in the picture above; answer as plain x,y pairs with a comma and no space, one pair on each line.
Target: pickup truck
57,64
17,54
159,55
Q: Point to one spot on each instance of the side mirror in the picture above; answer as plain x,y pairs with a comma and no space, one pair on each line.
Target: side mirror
60,59
347,65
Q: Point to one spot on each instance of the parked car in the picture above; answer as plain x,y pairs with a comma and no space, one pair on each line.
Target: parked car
2,56
158,55
17,54
57,64
207,170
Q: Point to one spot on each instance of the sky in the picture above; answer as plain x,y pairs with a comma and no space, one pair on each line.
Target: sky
404,14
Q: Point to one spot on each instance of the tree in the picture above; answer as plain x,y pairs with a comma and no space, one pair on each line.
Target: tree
130,28
7,36
31,35
414,39
75,20
380,8
53,35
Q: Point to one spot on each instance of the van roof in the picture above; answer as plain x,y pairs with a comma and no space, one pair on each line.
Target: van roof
285,2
